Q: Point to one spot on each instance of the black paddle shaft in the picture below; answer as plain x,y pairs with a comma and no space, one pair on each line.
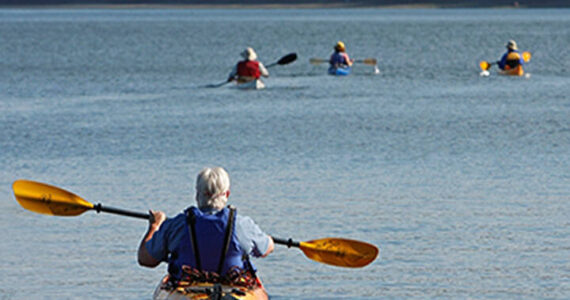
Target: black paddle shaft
287,242
100,208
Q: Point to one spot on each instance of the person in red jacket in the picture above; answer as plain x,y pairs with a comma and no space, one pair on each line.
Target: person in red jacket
248,69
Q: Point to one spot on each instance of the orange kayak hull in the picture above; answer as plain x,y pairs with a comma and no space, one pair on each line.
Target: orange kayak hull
518,71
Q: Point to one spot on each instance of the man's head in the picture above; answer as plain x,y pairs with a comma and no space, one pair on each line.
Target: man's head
212,188
249,54
511,45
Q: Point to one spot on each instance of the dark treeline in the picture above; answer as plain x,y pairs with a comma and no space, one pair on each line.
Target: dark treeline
324,3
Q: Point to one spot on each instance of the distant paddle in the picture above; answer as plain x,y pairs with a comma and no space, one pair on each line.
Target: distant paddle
366,61
287,59
50,200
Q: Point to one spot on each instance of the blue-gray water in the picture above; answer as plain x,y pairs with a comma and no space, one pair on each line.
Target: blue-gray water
461,180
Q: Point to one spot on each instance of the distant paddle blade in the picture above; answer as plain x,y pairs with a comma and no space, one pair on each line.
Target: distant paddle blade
317,61
289,58
484,65
340,252
526,56
370,61
367,61
49,200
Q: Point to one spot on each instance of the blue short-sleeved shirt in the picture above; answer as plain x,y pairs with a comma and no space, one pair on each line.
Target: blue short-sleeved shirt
250,237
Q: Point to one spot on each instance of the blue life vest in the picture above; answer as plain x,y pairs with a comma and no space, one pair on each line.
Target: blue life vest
338,59
212,234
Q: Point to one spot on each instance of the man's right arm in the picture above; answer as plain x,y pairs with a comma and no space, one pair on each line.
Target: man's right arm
144,257
270,247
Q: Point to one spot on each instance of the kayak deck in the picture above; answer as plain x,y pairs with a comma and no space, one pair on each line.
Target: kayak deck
339,71
207,291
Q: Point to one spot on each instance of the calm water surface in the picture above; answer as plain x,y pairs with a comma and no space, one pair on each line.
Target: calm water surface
461,180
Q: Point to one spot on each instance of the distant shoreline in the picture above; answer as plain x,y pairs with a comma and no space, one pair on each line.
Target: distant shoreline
276,4
221,6
285,4
256,6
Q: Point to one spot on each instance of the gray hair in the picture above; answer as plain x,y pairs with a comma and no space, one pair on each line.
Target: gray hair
211,187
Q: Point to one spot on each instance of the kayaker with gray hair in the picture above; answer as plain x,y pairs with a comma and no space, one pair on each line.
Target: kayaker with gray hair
249,69
211,239
512,58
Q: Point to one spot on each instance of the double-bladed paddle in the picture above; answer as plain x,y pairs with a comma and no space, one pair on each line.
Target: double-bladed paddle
485,65
50,200
366,61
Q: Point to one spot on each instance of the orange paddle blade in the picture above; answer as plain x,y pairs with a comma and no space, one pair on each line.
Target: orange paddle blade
484,65
526,56
340,252
48,200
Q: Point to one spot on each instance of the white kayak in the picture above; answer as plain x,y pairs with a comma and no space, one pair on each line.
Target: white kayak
256,84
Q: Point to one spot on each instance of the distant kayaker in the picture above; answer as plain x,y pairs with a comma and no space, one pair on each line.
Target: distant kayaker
512,58
224,240
339,59
248,69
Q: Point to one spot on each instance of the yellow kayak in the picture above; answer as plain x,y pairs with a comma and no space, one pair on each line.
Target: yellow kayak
517,71
207,291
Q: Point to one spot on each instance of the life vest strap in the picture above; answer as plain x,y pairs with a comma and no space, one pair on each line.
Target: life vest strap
191,220
227,237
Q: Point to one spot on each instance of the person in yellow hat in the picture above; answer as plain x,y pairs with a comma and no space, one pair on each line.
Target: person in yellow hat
512,58
340,59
